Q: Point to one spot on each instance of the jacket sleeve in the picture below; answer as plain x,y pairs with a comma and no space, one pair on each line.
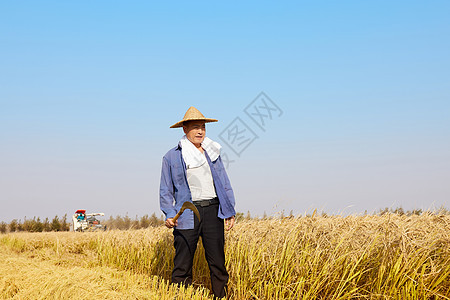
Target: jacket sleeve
226,183
166,191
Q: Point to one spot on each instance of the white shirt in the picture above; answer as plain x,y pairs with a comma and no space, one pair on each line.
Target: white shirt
200,181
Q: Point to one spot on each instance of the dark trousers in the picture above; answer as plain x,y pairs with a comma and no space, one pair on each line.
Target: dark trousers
210,228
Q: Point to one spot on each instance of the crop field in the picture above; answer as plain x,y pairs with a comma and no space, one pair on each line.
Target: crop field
313,257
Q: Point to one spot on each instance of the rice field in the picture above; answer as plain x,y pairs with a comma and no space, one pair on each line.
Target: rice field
314,257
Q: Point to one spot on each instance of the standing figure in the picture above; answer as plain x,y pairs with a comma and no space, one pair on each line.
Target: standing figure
193,171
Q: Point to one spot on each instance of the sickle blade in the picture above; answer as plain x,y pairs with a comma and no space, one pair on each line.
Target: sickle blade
188,205
192,207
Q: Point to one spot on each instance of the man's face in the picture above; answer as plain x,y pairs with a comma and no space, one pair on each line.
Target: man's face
195,131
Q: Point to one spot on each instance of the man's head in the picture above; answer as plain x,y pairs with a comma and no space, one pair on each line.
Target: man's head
195,131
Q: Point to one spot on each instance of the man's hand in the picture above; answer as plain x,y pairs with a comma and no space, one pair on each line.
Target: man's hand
170,224
229,223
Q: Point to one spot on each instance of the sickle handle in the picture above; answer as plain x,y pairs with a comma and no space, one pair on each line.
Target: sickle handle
178,215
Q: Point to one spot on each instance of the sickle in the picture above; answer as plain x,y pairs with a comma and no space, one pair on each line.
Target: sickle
190,206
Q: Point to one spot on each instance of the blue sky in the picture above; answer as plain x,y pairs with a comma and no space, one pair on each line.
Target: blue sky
88,91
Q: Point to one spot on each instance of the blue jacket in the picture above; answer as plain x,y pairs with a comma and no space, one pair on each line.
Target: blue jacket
174,189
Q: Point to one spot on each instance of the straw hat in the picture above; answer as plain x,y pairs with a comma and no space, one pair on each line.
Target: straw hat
192,114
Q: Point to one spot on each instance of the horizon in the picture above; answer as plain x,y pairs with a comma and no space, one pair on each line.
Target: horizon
245,215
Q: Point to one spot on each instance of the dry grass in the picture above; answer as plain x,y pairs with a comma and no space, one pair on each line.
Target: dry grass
354,257
25,278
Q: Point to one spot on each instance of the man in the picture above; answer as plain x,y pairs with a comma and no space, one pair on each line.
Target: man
193,171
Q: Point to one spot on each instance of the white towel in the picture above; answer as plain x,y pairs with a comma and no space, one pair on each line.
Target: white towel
193,157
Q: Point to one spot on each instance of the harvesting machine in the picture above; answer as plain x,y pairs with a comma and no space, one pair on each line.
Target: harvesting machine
81,221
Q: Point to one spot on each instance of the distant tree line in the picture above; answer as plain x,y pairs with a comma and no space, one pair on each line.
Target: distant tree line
36,225
61,224
398,211
126,223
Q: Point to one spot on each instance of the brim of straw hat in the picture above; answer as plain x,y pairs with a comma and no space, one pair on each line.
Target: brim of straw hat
180,124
